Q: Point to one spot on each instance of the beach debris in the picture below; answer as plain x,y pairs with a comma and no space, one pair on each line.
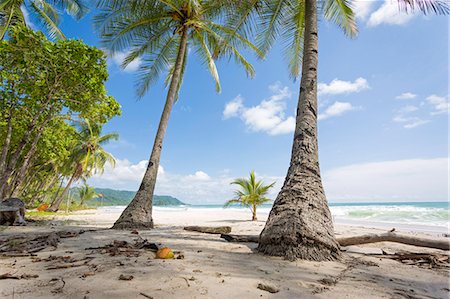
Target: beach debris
145,295
87,274
397,238
363,239
12,212
268,287
23,276
164,253
58,289
427,260
69,262
24,245
240,238
125,248
209,229
125,277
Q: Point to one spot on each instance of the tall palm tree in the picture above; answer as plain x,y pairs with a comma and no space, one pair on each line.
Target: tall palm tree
300,223
251,193
46,12
160,32
88,156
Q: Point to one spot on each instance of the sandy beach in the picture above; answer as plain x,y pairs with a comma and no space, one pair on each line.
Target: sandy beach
210,267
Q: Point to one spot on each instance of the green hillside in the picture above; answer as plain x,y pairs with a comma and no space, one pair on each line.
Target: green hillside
113,197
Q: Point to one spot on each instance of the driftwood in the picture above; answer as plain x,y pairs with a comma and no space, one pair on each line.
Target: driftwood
363,239
394,237
209,229
428,260
25,245
241,238
126,248
23,276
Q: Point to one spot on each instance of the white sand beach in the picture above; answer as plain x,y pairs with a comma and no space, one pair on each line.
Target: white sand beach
211,267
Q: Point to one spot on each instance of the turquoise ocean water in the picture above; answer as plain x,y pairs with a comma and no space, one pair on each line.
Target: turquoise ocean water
429,216
417,216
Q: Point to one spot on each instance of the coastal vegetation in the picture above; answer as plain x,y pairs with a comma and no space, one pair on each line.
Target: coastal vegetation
53,105
251,193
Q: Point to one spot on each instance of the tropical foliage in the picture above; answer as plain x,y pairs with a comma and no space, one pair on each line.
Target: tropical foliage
45,89
86,193
46,14
88,156
251,193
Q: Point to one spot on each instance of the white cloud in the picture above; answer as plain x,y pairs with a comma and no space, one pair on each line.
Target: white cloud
412,179
441,105
337,109
232,108
362,8
406,96
119,57
389,13
404,117
402,180
268,116
199,176
342,87
197,188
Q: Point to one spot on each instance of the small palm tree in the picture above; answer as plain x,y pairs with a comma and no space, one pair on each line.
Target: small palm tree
88,156
86,193
251,193
46,12
159,32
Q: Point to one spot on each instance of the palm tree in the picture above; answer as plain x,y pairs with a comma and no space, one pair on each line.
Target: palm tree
88,156
46,12
160,32
251,194
86,193
300,223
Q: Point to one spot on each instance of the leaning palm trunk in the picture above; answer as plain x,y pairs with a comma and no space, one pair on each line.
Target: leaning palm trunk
138,213
300,223
55,204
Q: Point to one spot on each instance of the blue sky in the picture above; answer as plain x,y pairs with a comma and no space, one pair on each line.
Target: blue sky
383,105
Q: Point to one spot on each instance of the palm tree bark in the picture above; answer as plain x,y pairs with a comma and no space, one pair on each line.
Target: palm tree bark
138,214
300,223
5,149
254,218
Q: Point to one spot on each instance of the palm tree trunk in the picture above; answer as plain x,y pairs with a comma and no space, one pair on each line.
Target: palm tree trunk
254,213
5,149
300,223
55,205
138,214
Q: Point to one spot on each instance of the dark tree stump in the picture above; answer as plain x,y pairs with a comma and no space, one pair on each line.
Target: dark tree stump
12,212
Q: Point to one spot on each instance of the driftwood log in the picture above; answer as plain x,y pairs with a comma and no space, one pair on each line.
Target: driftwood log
209,229
362,239
397,238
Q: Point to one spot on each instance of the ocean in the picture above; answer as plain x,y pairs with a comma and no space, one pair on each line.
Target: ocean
417,216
